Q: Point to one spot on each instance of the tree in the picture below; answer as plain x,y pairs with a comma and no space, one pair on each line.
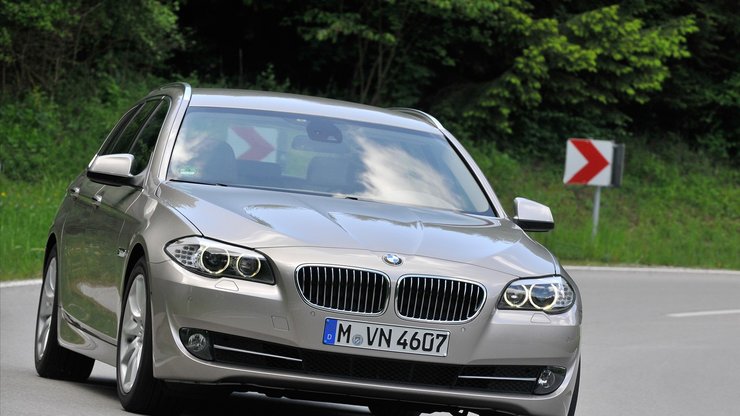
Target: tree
510,70
43,42
700,102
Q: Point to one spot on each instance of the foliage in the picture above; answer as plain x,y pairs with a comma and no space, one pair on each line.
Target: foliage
524,74
675,208
513,78
700,102
569,75
41,138
45,42
389,44
28,131
26,212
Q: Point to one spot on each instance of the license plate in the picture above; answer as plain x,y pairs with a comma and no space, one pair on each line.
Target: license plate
386,337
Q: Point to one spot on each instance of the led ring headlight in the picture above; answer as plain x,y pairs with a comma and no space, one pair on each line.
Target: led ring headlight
546,307
239,269
513,303
215,259
205,252
551,294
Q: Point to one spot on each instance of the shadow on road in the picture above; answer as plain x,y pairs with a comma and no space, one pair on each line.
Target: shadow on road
235,404
238,403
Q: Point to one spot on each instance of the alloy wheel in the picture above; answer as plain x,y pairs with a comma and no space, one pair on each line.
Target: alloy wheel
46,309
133,327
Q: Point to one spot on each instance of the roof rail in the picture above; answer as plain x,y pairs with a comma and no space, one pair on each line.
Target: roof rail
427,118
186,89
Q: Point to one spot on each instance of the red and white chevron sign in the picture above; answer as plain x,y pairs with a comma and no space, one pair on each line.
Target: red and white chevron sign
588,162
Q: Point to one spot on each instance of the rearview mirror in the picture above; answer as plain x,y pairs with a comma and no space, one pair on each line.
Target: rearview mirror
112,170
305,143
532,216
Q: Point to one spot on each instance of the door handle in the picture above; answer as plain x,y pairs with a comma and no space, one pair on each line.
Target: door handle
74,192
97,199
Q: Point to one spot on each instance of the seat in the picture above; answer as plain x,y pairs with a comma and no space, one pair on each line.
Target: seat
252,172
330,174
215,161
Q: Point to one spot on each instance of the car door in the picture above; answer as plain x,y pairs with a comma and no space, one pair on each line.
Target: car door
76,264
112,237
94,266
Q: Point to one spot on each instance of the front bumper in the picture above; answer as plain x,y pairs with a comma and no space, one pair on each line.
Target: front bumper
277,314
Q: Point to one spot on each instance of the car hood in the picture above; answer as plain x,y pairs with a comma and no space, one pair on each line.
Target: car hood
263,219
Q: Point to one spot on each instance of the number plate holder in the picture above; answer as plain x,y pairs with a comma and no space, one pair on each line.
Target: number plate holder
379,337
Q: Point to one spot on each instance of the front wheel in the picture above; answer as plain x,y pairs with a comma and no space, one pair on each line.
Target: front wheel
138,390
51,359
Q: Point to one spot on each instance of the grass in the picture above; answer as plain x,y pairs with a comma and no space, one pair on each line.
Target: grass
673,209
26,213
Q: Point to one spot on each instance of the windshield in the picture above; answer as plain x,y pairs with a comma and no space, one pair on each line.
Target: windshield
344,158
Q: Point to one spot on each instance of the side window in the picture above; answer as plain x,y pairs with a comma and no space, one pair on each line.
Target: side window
144,145
124,141
113,135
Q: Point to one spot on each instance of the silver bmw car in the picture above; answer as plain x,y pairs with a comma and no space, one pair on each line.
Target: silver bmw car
303,247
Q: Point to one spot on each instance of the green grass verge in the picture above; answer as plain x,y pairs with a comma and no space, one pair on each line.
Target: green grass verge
673,210
26,212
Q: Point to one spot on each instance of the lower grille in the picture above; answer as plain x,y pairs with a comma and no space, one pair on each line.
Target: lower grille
253,353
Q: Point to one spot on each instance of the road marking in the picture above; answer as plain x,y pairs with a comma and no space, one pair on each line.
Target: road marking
17,283
653,269
703,313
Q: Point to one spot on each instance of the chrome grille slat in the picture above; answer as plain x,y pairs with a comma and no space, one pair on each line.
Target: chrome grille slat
457,298
441,299
346,277
464,302
343,288
331,290
372,301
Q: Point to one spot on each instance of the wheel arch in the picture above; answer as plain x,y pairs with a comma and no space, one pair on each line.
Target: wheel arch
137,252
51,241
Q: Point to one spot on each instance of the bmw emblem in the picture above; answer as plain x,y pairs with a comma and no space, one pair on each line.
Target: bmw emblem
392,259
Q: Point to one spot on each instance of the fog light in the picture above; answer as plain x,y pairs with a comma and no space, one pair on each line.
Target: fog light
197,342
549,380
546,380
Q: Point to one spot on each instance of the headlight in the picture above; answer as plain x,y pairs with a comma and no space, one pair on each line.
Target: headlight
214,259
548,294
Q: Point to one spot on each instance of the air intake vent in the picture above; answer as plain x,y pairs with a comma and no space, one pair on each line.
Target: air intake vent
343,289
438,299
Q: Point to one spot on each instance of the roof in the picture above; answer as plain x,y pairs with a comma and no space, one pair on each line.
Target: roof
302,104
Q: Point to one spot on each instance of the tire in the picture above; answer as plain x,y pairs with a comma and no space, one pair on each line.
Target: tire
391,410
574,400
51,359
138,390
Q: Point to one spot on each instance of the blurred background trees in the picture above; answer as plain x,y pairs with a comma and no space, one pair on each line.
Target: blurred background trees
523,75
512,78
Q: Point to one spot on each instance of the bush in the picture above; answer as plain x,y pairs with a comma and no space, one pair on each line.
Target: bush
45,137
29,130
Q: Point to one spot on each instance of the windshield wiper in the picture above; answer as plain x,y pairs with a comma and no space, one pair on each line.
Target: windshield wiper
199,183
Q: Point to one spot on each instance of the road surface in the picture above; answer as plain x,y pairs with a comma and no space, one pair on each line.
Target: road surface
655,342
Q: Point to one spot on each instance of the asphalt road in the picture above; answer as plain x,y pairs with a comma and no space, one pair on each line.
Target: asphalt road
654,343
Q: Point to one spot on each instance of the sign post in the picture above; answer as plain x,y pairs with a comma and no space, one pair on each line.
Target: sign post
597,207
593,162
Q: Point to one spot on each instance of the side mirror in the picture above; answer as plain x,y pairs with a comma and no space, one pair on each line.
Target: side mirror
532,216
112,170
